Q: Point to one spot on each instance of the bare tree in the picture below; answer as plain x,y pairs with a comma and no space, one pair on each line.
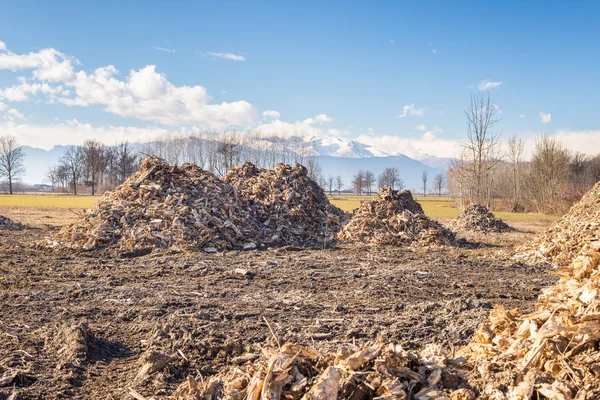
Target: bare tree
314,169
424,179
481,146
516,149
369,181
11,160
126,161
548,177
73,163
390,177
330,183
358,181
439,181
339,182
94,158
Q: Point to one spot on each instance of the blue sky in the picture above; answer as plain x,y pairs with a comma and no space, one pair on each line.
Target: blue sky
358,63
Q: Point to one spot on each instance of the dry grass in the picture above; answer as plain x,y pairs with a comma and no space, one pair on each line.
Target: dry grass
442,208
438,208
47,201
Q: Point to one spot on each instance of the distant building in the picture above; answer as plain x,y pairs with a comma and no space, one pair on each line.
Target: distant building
43,187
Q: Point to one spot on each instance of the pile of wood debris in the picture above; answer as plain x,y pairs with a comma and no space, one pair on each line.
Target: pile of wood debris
294,372
7,224
161,206
550,353
394,218
478,218
286,201
187,208
560,243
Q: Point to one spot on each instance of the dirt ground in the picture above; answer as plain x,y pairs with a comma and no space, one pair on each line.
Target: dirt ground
80,325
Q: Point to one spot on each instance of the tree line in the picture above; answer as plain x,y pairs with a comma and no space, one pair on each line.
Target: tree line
496,175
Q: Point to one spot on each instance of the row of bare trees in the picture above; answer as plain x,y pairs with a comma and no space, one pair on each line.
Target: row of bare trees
93,165
486,171
364,181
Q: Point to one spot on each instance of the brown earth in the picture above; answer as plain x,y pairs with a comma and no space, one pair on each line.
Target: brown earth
82,325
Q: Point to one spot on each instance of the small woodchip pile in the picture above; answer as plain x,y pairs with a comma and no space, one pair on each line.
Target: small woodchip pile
562,242
551,353
296,372
187,208
286,201
394,218
7,224
478,218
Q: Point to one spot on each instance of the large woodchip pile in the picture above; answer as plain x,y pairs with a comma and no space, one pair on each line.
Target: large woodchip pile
477,218
394,218
185,207
7,224
562,242
551,353
162,206
296,372
287,202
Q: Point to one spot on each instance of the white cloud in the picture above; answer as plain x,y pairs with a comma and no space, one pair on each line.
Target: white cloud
587,142
223,91
227,56
308,127
421,128
14,113
434,51
3,106
431,135
545,118
487,84
2,46
522,116
23,91
165,49
270,114
321,119
411,110
337,132
144,94
73,132
497,108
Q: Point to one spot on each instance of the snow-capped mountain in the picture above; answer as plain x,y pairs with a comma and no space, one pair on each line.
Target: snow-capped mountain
347,148
340,147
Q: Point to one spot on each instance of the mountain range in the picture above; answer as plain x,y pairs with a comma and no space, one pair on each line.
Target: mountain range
336,156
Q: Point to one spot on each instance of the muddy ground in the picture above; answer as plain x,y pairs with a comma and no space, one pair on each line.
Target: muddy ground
80,325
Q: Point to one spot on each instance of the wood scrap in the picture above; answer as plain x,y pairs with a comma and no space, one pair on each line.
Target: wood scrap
561,243
551,353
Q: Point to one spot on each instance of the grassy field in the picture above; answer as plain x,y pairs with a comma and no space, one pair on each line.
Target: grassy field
438,207
434,207
47,201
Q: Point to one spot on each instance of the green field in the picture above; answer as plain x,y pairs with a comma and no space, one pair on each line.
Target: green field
434,207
